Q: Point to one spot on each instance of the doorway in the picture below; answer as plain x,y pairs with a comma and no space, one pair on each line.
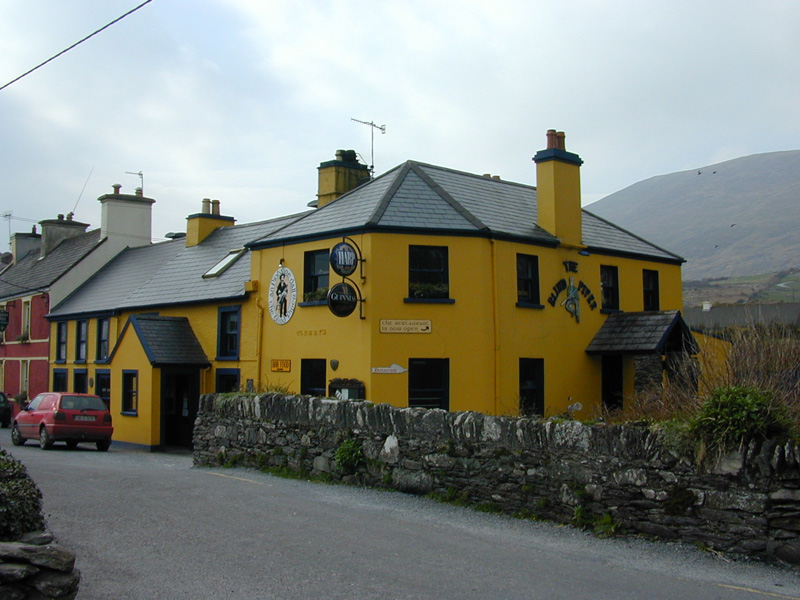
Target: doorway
180,396
612,382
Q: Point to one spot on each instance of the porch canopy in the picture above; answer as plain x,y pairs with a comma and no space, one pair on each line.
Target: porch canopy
168,341
661,333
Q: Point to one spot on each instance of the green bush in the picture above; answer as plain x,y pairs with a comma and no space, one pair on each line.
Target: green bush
349,455
20,500
732,417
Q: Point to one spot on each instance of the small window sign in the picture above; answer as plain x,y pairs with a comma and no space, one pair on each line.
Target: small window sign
281,366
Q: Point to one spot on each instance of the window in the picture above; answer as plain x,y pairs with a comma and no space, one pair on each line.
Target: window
60,380
650,285
531,387
61,343
102,385
228,333
222,265
130,392
227,380
26,320
609,283
102,340
312,376
527,280
81,330
429,382
24,375
315,282
428,277
80,382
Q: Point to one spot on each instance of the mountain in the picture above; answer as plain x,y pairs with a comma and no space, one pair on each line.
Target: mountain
735,218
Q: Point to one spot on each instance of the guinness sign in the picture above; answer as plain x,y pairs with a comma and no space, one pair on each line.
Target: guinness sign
342,299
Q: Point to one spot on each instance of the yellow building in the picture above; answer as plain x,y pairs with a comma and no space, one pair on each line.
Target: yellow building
422,287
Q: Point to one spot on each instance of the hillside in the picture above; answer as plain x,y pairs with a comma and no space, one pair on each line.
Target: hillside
735,218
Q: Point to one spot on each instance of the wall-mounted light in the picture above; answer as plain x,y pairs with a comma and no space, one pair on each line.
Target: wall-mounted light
583,252
280,263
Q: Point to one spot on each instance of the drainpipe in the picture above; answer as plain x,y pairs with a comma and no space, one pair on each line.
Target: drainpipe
496,324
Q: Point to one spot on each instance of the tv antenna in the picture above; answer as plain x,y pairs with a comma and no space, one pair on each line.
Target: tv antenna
372,128
141,179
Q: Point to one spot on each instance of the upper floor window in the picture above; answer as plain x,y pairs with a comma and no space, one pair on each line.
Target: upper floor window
428,276
26,319
61,342
221,266
315,280
228,332
609,283
527,279
102,339
81,332
650,286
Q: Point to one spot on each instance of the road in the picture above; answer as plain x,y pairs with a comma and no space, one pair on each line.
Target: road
150,526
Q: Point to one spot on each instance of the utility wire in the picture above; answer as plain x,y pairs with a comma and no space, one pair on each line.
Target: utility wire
75,44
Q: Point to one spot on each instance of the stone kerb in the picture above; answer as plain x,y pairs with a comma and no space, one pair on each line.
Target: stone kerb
746,503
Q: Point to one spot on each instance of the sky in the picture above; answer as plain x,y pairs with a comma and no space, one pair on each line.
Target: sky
240,100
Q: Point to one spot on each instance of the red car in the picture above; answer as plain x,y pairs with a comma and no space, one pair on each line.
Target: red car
63,417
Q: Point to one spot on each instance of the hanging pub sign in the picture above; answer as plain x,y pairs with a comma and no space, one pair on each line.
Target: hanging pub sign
344,259
282,295
3,319
342,299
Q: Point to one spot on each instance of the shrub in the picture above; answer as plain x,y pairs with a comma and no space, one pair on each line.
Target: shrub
733,416
349,455
20,500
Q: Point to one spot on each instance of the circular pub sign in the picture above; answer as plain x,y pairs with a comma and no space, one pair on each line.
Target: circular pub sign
342,299
282,296
344,259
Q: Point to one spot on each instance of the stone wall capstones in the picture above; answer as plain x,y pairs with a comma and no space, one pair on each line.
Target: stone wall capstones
746,503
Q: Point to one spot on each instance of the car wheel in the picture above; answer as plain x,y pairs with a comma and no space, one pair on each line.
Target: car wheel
16,436
103,445
45,443
72,444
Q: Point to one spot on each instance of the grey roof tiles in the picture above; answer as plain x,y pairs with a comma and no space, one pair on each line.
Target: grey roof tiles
642,333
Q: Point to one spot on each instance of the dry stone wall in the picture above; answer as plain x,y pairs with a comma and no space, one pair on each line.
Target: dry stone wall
566,471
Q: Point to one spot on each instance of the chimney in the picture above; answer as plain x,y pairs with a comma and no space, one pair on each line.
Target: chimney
558,191
339,176
55,231
200,225
126,218
23,243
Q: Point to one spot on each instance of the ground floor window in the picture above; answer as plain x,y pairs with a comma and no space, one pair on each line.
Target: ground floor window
429,382
227,381
130,392
60,380
312,376
531,387
80,382
102,385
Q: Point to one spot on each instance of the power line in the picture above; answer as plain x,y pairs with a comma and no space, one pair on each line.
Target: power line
104,27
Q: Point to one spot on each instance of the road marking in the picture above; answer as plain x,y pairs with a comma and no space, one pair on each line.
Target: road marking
244,479
744,589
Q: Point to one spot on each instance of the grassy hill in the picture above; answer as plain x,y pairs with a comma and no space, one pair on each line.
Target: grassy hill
732,219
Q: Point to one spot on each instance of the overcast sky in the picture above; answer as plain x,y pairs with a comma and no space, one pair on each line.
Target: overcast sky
240,100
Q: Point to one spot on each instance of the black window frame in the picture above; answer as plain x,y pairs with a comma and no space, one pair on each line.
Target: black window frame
316,276
228,340
60,380
528,293
227,380
651,299
80,381
130,392
429,274
609,287
429,383
81,340
102,385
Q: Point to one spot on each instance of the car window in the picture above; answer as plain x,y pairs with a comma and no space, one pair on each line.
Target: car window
46,403
82,403
35,402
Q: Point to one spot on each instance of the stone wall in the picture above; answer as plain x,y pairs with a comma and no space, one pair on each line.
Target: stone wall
746,503
35,567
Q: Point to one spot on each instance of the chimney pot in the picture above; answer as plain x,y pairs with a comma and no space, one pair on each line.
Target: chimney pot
215,207
60,217
117,187
206,210
560,137
551,139
139,191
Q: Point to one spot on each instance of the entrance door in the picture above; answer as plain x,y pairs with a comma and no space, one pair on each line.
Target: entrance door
612,382
180,396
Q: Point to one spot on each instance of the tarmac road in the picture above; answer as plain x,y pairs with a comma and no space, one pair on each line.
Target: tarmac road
150,526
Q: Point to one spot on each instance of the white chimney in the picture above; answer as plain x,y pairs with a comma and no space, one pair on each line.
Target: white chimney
126,218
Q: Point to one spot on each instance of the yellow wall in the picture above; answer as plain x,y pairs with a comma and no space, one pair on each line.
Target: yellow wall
145,427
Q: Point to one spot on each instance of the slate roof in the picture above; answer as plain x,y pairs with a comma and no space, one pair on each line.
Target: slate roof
31,274
643,333
416,196
743,315
169,273
167,340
